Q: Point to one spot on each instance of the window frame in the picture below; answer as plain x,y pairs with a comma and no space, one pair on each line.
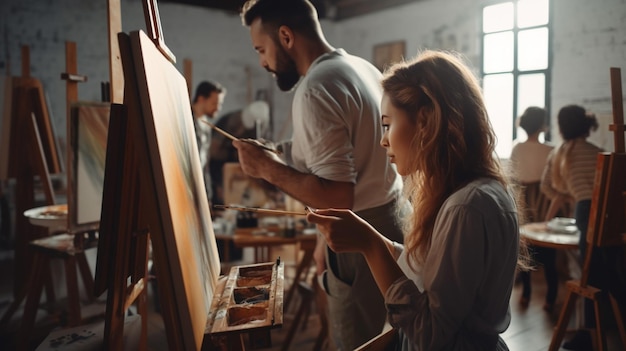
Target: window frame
547,72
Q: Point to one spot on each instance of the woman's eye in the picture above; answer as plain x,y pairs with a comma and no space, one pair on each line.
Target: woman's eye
385,127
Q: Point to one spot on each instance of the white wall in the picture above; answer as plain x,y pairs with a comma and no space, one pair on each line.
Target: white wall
588,38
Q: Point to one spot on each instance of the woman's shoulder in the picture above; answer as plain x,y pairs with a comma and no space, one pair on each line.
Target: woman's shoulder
485,194
531,146
591,146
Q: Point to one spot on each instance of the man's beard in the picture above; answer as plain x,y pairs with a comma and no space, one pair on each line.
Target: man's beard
286,72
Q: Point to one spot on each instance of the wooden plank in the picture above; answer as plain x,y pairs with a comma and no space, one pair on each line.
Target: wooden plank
188,73
116,74
618,109
7,120
25,61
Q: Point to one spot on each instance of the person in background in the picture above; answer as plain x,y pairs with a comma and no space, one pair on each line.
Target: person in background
335,160
448,287
570,173
207,102
528,159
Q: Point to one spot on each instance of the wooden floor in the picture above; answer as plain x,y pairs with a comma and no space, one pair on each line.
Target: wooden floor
530,329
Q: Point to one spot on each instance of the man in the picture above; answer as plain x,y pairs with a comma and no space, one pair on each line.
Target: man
207,102
335,157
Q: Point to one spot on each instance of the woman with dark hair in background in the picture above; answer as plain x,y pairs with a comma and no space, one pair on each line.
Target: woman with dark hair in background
528,159
570,174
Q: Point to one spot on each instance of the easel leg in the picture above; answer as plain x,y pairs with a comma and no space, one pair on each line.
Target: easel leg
73,298
304,264
49,286
142,309
85,274
32,301
600,340
619,319
306,297
566,312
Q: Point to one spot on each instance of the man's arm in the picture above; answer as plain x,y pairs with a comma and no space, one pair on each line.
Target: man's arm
307,188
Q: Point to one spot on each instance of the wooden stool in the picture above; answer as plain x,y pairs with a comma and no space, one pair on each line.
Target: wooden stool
59,246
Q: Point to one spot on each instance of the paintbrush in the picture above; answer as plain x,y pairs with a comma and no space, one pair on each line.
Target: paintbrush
232,137
260,210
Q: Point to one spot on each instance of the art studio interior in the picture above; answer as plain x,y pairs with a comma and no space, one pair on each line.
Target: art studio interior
172,174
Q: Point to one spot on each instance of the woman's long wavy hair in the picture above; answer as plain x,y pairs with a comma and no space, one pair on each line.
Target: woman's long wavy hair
454,143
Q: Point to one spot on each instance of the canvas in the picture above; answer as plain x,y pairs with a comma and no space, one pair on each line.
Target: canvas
188,238
86,154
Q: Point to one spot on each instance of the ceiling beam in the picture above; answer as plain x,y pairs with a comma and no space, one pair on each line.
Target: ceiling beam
334,10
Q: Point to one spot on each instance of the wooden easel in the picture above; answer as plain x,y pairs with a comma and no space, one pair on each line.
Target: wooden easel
139,205
188,74
127,210
32,152
607,227
129,214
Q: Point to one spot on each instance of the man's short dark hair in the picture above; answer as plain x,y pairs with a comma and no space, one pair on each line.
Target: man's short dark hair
299,15
205,89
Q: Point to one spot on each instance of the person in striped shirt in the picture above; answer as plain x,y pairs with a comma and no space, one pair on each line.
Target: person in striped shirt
569,176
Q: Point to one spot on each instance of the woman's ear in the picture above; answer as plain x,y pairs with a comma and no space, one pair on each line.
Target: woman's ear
285,36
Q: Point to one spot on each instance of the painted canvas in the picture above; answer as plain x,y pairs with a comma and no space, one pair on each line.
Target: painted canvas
86,154
192,257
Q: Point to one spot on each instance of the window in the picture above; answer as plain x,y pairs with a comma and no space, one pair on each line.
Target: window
516,64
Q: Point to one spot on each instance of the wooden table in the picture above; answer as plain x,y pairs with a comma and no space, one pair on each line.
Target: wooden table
538,233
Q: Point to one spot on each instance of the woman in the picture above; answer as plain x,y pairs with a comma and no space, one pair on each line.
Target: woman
528,159
570,174
449,286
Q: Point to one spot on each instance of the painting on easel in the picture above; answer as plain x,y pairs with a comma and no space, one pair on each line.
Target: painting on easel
89,123
188,237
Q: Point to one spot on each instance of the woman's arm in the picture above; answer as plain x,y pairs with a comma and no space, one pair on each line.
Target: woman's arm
344,231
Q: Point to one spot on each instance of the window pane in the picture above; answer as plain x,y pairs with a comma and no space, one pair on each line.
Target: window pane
498,17
498,52
532,13
498,93
531,91
532,50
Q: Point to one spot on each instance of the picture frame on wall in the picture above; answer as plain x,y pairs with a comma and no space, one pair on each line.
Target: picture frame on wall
387,54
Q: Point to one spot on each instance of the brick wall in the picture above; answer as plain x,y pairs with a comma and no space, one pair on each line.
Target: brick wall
588,38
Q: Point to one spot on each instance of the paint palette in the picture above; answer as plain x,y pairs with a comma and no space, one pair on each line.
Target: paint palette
252,298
